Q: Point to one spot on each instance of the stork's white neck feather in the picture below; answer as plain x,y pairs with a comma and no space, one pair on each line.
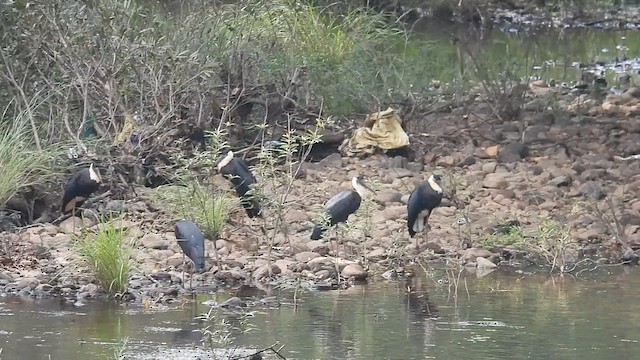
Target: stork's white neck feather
361,190
434,185
227,159
94,175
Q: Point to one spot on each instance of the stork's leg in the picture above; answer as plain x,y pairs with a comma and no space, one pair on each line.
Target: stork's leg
183,270
191,276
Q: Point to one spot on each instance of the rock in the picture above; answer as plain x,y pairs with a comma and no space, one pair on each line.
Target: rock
489,167
593,174
492,151
494,181
154,241
283,265
484,263
398,162
469,160
319,263
513,152
377,254
388,196
562,180
318,246
355,271
116,206
473,253
592,190
333,161
234,302
74,224
305,256
399,173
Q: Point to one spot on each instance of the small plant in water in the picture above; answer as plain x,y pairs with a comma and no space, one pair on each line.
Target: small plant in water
119,353
106,253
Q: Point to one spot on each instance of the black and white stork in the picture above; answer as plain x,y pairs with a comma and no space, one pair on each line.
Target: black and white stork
191,241
81,185
339,207
237,171
424,198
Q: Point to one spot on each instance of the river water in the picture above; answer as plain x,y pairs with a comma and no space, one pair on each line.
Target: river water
444,315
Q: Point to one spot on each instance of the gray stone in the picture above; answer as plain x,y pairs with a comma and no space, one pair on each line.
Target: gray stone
469,160
305,256
563,180
154,241
399,173
494,181
355,271
484,263
333,161
513,152
389,196
592,190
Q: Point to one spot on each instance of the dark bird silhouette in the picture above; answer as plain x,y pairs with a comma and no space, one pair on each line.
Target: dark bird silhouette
191,241
237,171
339,207
81,185
424,198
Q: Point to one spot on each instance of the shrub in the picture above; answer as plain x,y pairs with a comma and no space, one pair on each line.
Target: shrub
21,164
108,255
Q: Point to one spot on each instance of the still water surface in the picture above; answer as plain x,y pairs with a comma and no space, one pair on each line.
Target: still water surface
497,316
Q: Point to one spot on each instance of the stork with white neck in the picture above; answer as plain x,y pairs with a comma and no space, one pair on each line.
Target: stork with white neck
79,187
339,207
424,198
237,171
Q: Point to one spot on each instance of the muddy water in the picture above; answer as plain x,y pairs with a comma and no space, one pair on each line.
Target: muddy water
559,54
498,316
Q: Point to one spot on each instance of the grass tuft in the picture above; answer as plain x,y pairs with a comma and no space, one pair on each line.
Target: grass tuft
107,254
21,165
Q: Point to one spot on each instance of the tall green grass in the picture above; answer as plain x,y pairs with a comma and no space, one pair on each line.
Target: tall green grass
21,164
198,202
107,253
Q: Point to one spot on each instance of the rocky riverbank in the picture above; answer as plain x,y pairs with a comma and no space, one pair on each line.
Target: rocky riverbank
564,166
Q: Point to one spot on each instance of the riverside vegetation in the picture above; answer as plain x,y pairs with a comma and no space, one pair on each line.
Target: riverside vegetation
535,173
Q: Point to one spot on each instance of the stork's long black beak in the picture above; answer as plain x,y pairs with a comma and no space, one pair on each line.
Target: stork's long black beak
366,186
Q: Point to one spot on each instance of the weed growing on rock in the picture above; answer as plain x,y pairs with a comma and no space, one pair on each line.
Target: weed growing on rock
555,243
514,237
108,255
277,169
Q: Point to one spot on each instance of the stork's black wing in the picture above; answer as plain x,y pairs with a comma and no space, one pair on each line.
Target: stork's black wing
191,241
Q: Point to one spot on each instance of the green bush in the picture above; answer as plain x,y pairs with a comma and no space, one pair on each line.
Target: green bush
22,165
108,255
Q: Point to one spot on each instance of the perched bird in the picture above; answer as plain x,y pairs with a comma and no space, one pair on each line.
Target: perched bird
237,171
339,207
81,185
191,241
424,198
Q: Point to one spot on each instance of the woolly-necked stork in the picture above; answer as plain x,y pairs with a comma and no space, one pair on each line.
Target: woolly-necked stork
339,207
81,185
237,171
191,241
424,198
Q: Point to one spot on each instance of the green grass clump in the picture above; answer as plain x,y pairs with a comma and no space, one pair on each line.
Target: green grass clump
197,202
514,237
107,254
21,165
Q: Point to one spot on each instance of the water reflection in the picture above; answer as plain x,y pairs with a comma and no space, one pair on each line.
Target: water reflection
499,316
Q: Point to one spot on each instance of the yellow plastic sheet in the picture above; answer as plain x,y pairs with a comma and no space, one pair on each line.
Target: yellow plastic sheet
381,130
